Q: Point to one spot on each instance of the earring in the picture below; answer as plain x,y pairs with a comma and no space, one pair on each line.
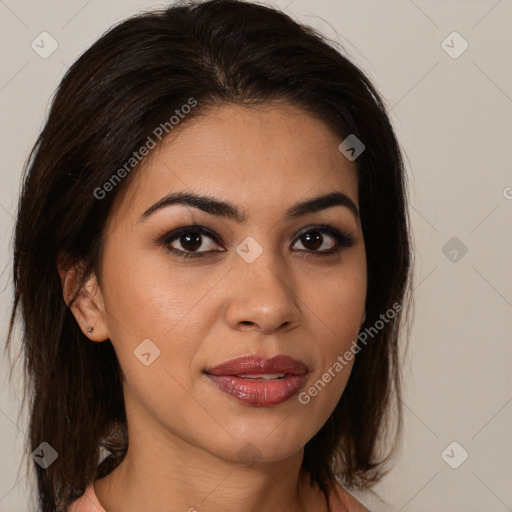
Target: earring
90,329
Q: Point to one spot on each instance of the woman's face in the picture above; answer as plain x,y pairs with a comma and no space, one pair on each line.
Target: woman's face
263,286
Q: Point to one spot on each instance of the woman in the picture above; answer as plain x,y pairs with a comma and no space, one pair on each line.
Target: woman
211,261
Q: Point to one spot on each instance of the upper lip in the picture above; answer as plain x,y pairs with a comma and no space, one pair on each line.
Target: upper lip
256,365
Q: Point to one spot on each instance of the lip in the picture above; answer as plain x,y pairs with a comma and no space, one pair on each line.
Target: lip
232,377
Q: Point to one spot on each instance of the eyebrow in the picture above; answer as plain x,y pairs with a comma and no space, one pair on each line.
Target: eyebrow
228,210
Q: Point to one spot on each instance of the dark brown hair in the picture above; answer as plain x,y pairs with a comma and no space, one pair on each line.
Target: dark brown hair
112,98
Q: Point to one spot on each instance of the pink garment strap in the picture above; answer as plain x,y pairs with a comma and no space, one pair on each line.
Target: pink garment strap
339,499
88,502
343,496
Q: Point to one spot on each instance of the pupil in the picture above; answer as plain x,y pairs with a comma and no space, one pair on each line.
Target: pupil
191,241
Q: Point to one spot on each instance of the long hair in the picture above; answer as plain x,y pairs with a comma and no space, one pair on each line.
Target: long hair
108,103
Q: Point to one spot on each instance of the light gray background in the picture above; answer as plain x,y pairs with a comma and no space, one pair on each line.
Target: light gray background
453,118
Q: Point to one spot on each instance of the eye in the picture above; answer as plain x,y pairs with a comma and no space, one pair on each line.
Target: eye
186,242
324,240
197,241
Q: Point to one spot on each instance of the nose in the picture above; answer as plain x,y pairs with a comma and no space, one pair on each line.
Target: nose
262,297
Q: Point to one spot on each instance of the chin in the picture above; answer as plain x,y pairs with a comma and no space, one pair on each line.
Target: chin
253,445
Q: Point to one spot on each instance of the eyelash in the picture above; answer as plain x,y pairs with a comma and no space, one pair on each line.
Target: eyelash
343,240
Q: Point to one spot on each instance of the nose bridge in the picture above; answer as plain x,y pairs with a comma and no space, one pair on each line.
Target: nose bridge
262,269
264,293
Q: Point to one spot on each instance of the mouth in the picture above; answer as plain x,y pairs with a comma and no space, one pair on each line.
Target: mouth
263,376
258,380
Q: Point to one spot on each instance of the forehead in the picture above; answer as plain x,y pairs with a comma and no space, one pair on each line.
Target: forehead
262,158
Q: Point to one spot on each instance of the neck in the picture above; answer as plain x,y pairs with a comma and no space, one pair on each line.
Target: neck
163,473
153,481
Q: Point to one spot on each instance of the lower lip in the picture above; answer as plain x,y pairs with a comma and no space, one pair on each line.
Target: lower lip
259,392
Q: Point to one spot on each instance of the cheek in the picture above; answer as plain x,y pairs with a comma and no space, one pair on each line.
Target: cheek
336,305
172,306
149,296
337,299
155,301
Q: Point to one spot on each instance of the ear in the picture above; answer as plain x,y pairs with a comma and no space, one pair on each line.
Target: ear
88,307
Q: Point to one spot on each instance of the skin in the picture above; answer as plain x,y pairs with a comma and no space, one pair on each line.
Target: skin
185,434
